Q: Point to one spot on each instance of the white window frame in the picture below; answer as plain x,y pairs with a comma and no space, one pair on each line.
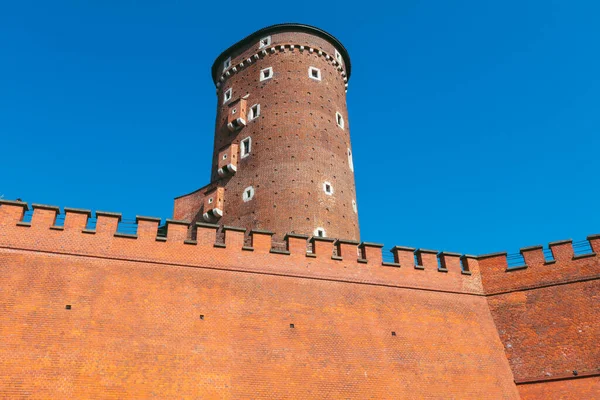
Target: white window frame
247,197
319,229
224,156
339,117
354,207
242,153
227,64
251,114
330,192
339,57
310,73
262,74
210,200
264,42
350,161
227,95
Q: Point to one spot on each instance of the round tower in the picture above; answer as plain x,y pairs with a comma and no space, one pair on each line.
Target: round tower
282,155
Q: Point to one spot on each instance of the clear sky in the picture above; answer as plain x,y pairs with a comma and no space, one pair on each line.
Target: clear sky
475,124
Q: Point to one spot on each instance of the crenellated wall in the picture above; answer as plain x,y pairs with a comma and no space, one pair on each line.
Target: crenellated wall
548,316
351,261
168,317
224,319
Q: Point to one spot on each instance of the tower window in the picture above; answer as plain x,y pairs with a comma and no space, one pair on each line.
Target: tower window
266,73
246,147
227,64
224,156
319,232
339,119
254,112
227,95
248,194
338,57
354,207
210,200
327,188
350,162
264,42
314,73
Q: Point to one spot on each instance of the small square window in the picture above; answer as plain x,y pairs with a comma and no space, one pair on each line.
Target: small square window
314,73
227,64
319,232
338,57
266,73
254,112
264,42
246,147
339,119
227,95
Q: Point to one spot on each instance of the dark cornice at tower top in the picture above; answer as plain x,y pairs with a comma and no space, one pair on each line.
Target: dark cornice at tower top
294,27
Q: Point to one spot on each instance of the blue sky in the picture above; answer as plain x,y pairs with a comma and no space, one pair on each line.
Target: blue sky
475,124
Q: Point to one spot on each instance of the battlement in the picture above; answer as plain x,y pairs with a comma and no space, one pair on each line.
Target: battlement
540,268
226,247
199,245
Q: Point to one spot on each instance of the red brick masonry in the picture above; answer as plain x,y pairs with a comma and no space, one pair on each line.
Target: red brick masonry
174,318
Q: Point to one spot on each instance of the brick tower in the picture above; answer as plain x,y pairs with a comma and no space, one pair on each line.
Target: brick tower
282,155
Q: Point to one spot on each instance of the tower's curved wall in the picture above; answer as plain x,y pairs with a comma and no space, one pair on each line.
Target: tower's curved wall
298,149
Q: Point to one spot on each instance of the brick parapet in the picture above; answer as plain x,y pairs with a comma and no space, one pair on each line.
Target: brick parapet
538,271
177,248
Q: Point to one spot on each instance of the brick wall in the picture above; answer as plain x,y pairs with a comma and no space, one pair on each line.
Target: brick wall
548,317
134,328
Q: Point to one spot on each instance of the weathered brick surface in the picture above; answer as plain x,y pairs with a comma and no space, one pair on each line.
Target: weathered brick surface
548,318
550,331
134,329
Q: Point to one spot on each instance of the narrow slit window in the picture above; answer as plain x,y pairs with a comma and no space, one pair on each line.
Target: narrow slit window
354,207
254,112
227,95
327,188
350,162
266,73
339,119
264,42
246,147
227,64
314,73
